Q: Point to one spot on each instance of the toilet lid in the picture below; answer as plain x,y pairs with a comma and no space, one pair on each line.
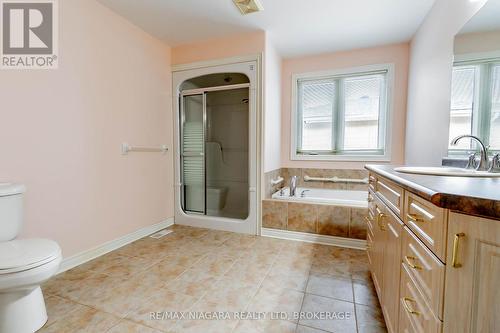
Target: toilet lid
24,254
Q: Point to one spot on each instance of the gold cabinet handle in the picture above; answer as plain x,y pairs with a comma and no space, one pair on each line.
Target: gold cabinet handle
380,216
415,217
408,308
410,262
454,257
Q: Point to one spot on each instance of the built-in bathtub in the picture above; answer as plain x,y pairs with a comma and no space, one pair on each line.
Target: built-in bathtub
324,196
329,216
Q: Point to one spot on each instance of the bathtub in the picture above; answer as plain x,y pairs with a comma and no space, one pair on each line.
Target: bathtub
325,196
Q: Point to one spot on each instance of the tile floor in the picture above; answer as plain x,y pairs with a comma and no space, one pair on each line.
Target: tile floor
149,285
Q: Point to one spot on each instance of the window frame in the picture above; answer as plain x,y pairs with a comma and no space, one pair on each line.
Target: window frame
482,94
385,118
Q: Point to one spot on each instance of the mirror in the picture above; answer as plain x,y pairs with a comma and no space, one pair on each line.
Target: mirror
475,96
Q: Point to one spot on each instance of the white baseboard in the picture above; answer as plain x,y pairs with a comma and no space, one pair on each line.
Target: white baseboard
313,238
83,257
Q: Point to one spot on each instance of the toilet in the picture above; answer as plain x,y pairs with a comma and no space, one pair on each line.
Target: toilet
24,265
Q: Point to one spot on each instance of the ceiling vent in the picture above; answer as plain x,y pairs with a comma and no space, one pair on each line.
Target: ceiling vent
248,6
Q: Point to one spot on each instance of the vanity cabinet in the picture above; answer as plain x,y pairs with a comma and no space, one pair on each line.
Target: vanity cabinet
434,270
472,297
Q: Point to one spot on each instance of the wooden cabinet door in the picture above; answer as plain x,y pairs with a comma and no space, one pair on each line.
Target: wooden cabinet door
472,293
391,269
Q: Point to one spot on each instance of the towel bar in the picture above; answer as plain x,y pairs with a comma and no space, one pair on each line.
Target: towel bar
336,180
126,148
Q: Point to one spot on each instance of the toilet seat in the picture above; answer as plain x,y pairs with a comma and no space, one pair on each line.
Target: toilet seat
25,254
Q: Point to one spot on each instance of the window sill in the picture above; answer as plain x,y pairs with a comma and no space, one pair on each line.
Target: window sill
341,158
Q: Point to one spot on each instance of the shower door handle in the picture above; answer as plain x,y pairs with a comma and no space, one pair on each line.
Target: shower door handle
193,154
252,189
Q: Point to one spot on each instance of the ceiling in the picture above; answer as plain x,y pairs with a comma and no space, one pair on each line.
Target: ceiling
297,27
487,19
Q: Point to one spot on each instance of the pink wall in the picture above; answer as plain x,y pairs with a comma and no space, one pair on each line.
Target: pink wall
61,131
232,46
477,42
429,83
396,54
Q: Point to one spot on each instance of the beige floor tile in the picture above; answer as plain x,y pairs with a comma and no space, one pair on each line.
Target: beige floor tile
278,278
305,329
330,286
265,326
204,270
125,297
193,283
284,300
164,303
119,265
126,326
297,265
215,237
94,287
370,319
210,324
182,259
343,318
240,241
235,294
65,282
336,267
83,321
364,293
58,308
214,264
269,244
251,274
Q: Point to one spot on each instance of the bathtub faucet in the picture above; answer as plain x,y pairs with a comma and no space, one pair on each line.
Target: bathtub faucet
293,185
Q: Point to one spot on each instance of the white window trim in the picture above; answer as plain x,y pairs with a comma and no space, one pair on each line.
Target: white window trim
463,59
386,157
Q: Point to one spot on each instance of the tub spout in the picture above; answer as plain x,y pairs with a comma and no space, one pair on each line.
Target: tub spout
293,185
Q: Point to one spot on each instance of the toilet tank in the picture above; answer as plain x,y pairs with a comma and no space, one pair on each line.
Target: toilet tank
11,210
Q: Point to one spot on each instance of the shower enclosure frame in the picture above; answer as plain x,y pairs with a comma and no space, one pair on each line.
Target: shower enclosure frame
251,68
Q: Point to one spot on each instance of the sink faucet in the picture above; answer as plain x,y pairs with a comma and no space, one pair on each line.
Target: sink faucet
293,185
495,164
483,161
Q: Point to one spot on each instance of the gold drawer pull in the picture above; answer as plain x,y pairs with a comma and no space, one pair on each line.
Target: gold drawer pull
415,217
408,308
454,257
410,262
380,216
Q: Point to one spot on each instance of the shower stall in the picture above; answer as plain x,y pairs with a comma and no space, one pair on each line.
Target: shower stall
216,149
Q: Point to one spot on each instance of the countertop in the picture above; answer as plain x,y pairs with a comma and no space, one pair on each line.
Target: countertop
468,195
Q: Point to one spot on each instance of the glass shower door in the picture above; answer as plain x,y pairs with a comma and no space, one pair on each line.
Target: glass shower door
193,151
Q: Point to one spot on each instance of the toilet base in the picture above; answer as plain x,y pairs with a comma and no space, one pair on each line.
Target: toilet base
22,311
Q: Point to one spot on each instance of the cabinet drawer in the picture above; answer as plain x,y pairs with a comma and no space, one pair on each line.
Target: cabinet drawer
428,222
391,194
372,182
426,270
414,309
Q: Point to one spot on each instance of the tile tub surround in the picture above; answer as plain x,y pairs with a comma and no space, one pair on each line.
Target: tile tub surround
287,173
235,272
319,219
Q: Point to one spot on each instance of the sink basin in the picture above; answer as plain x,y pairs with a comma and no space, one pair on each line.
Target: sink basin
446,171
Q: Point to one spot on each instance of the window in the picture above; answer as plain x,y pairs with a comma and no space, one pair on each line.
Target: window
341,115
475,104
